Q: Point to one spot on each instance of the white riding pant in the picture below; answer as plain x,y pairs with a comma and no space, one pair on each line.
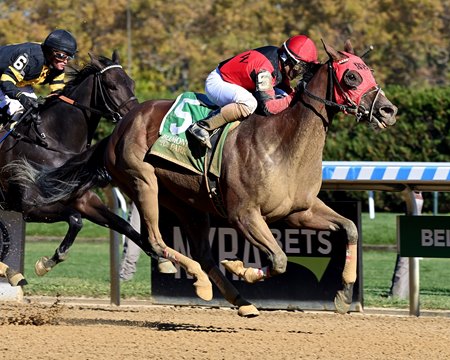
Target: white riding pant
14,105
222,93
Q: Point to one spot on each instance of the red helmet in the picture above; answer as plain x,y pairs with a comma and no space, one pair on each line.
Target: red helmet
300,47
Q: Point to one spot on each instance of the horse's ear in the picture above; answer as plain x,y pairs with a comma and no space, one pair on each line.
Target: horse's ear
332,53
115,57
348,47
94,60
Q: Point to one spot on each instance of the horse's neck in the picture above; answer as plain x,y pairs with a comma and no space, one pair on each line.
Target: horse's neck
84,94
306,123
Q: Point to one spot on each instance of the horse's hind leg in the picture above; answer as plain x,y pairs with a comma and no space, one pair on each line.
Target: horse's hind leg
196,225
51,214
14,278
321,217
45,264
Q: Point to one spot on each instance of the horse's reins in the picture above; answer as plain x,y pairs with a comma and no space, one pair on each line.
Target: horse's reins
99,89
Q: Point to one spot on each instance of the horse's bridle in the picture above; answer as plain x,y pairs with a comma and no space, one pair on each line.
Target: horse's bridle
100,89
106,98
351,108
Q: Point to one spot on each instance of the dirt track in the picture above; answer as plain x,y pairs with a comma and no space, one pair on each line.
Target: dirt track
46,331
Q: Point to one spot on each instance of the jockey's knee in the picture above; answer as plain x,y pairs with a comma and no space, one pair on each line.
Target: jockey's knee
247,105
239,110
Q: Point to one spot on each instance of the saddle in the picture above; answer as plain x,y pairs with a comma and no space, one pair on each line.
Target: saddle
176,145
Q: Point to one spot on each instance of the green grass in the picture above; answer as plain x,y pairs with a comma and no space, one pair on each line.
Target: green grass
379,231
89,230
378,267
86,271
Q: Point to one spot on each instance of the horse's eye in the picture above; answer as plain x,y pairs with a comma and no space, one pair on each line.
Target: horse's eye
352,79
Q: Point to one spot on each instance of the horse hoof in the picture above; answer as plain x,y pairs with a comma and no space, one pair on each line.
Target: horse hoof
343,299
166,267
39,268
341,306
203,289
248,311
16,279
235,267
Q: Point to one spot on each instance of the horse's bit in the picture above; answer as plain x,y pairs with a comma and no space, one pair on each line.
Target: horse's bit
99,88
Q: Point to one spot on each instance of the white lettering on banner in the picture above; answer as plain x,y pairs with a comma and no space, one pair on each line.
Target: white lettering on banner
277,235
293,242
296,241
323,239
435,237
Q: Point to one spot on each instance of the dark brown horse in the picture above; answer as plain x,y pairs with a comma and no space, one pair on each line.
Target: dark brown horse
271,170
100,89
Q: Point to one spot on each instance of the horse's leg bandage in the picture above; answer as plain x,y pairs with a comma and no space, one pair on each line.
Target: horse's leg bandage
351,260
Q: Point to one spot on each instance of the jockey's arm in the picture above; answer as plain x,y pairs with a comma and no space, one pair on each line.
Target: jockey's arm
8,81
268,102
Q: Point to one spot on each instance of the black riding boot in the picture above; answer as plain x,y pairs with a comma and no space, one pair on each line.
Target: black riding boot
200,130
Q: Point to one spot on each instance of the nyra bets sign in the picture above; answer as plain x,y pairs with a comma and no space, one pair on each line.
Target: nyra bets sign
424,236
314,271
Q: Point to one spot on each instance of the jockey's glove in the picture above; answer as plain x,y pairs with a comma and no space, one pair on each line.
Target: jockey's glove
28,102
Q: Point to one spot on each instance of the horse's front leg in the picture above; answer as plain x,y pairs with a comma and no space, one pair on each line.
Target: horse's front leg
51,214
251,224
321,217
196,225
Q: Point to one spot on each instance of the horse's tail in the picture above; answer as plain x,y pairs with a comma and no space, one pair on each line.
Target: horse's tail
76,176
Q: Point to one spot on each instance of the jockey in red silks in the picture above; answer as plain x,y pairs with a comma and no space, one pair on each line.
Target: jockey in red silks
255,79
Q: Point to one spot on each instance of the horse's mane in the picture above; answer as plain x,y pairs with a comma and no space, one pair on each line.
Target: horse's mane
76,76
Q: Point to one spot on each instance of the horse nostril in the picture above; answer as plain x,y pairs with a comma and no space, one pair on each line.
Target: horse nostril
388,111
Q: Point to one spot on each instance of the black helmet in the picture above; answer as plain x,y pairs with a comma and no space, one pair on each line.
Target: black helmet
61,40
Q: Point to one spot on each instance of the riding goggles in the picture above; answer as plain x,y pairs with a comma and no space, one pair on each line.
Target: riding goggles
61,56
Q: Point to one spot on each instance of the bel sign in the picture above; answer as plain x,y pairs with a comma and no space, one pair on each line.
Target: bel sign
424,236
314,271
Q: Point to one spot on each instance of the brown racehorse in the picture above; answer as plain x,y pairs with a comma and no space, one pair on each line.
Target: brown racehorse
271,170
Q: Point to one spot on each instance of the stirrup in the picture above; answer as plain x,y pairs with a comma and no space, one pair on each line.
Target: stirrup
201,134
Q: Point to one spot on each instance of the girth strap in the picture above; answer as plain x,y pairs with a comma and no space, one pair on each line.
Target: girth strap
213,182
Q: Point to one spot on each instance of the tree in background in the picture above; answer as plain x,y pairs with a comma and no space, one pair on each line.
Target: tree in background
175,44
